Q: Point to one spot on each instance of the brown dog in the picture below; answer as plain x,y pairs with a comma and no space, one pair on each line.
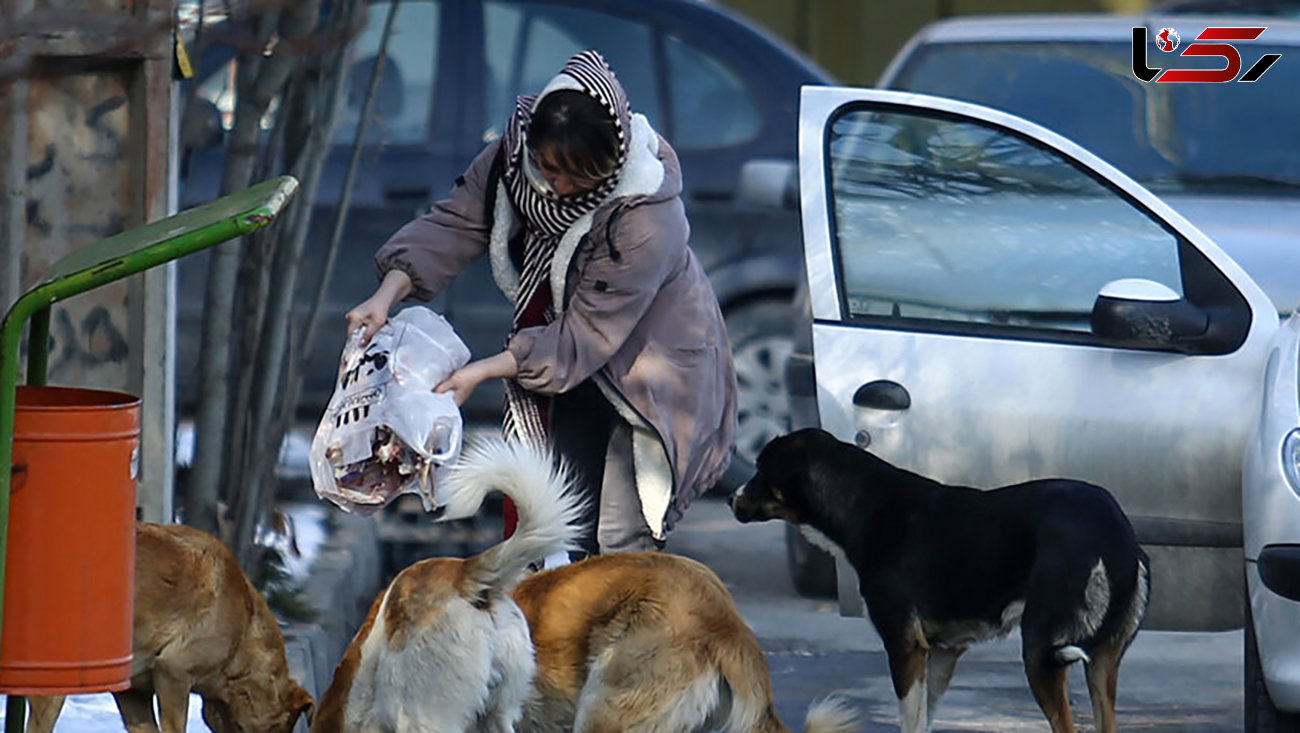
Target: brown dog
627,642
199,625
635,642
648,642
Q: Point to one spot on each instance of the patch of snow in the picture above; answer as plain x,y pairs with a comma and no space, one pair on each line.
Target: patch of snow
98,713
309,530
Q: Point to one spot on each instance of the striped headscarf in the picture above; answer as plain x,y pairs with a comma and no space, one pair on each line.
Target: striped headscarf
547,217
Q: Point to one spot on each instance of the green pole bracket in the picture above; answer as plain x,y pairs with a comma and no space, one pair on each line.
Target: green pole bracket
119,256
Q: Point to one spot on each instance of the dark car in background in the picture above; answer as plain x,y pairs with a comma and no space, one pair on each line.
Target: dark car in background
723,92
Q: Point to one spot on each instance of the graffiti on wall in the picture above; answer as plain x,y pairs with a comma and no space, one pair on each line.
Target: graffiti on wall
79,181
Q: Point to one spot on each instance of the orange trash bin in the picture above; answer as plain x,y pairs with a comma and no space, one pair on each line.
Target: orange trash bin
69,584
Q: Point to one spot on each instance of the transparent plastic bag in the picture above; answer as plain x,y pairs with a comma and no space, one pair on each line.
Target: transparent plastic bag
385,431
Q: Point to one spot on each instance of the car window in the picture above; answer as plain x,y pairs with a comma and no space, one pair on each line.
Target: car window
405,91
404,97
956,222
1174,138
711,107
528,43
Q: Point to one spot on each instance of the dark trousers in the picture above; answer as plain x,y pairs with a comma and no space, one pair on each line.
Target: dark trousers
582,421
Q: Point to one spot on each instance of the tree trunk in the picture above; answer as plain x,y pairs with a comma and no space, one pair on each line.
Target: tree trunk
311,110
261,79
274,408
210,439
345,199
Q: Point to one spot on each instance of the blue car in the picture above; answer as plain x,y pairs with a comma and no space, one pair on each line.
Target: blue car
722,91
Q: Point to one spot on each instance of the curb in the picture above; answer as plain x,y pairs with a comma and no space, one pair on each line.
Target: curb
341,585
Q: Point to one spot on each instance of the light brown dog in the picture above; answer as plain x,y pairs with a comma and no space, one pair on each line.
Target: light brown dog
648,642
199,625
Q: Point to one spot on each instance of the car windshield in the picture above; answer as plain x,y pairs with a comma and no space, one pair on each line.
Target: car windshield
1229,138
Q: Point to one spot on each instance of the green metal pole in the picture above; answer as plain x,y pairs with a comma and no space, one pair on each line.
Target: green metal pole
15,714
104,262
10,340
38,347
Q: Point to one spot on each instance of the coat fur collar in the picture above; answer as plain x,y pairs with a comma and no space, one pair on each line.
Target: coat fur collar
643,175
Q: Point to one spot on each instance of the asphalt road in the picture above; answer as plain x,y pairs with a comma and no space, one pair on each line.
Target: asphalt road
1189,683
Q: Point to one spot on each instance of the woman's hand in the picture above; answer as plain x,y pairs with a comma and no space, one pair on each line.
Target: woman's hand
372,313
465,380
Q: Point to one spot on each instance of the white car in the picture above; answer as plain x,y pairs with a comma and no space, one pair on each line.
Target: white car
989,302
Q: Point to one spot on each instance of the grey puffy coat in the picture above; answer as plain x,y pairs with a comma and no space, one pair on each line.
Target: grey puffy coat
639,316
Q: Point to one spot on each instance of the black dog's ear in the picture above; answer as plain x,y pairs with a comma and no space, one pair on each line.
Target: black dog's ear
775,488
785,472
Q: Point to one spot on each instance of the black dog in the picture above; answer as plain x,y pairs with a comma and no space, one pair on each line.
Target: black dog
942,567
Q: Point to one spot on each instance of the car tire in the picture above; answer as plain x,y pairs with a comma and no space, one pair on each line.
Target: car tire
812,569
762,336
1262,716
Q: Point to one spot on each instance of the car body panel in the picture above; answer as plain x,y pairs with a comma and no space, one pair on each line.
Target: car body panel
988,411
1258,225
1270,501
1272,510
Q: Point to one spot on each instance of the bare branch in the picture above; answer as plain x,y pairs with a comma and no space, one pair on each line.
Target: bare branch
345,199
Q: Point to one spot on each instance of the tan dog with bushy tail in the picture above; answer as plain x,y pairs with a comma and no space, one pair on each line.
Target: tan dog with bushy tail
445,648
629,642
199,625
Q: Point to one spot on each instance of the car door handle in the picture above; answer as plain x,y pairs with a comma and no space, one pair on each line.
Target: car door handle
882,394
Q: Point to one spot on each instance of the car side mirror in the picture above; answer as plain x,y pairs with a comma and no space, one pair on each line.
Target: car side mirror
769,184
201,126
1146,314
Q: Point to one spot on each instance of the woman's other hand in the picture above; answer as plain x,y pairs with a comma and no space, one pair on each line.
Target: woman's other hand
465,380
372,313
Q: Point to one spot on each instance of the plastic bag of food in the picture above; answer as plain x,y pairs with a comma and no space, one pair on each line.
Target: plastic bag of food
385,430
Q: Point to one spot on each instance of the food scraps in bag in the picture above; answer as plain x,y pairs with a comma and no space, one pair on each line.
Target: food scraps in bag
382,476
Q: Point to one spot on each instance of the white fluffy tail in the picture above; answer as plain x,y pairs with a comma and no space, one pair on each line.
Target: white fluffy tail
830,715
541,491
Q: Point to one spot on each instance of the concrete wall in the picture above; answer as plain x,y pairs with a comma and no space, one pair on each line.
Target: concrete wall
85,152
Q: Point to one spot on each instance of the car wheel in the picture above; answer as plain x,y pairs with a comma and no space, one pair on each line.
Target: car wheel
811,568
1261,715
762,338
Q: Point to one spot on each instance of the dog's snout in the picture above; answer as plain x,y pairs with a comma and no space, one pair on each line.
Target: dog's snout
741,508
733,499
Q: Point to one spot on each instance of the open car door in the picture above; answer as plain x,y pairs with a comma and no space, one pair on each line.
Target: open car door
992,303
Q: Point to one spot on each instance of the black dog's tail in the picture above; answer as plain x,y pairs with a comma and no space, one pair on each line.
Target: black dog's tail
1111,613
